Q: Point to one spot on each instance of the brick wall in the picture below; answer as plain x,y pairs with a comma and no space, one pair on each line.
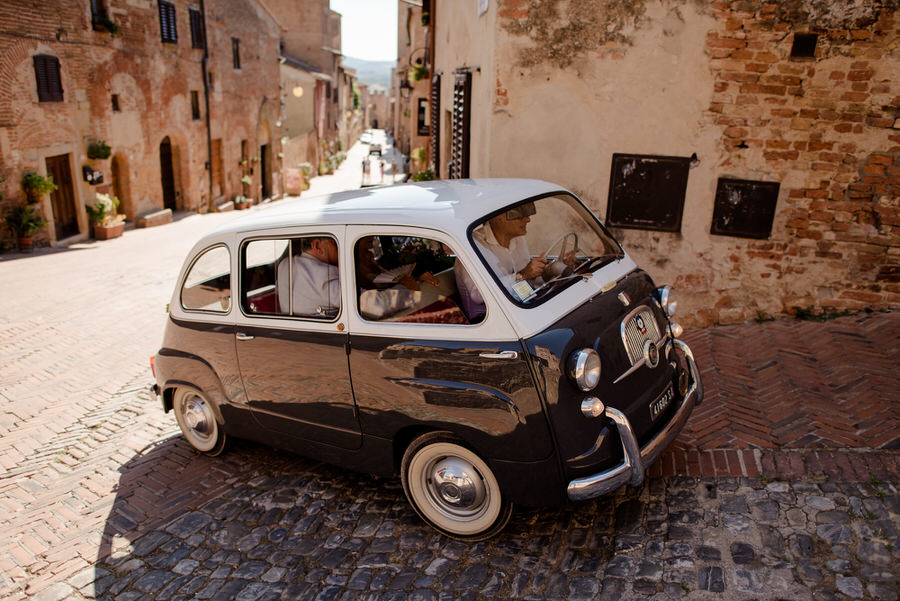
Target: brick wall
717,78
153,82
825,127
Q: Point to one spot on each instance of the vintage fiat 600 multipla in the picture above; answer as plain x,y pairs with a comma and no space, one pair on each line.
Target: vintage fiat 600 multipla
488,340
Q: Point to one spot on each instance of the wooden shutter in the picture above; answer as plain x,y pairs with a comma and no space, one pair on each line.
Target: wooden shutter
167,26
46,73
436,124
198,39
462,116
216,166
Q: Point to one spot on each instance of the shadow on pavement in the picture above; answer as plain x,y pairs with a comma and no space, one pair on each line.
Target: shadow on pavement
256,523
259,525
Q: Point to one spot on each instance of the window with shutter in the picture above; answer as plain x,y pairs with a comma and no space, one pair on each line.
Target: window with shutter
167,28
436,124
46,74
195,105
459,140
216,166
198,38
422,120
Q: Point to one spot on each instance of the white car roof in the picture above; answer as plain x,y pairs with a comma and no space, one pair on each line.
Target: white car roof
449,205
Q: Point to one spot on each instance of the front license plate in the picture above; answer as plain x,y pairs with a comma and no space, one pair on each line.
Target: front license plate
660,404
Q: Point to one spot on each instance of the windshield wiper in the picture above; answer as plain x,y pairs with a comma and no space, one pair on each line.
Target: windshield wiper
600,261
556,280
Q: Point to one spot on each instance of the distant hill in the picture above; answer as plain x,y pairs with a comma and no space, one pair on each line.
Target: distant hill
371,72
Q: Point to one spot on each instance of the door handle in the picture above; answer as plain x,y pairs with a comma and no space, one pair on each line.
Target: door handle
242,336
500,355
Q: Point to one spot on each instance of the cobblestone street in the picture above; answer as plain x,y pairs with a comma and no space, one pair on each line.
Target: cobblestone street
786,485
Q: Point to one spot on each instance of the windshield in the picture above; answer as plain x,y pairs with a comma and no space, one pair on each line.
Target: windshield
537,248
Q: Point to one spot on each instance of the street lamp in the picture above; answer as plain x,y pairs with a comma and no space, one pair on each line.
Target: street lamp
405,88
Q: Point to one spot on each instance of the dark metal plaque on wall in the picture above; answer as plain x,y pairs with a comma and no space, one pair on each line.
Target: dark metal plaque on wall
744,208
647,192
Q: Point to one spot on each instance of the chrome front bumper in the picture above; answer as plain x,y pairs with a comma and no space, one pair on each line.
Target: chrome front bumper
636,460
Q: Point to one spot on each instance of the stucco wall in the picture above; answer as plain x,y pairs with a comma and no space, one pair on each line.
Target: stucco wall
564,85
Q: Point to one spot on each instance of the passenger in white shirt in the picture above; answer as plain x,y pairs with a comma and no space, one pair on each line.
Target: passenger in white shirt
314,273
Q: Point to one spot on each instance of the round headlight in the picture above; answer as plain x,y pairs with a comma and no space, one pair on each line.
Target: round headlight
666,301
584,369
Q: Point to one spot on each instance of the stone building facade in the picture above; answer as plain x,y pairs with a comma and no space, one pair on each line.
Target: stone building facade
311,51
185,94
745,151
412,84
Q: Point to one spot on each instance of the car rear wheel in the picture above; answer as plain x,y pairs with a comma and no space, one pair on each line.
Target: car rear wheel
453,489
197,420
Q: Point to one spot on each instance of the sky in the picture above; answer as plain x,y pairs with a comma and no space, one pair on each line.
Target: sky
368,28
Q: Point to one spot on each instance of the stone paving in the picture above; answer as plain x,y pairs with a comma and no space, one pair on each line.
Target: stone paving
785,486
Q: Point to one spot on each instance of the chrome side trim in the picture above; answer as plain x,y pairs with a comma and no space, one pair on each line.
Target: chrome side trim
636,460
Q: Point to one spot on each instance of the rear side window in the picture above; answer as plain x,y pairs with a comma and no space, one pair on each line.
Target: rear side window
291,277
207,286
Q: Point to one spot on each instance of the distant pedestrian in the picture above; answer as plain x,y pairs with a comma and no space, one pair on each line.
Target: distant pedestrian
393,171
365,171
381,164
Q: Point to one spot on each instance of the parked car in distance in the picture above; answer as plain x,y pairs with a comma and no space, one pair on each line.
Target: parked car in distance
374,149
366,137
487,340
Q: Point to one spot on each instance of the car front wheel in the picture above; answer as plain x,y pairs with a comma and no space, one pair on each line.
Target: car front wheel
453,489
197,420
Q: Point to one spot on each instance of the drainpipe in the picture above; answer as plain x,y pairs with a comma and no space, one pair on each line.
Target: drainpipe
211,205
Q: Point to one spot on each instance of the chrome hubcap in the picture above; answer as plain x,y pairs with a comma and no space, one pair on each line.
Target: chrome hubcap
456,487
197,416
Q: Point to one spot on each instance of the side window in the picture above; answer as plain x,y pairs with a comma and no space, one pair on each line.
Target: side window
291,276
413,280
207,286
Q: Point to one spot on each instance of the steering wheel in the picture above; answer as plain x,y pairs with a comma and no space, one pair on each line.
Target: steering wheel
558,267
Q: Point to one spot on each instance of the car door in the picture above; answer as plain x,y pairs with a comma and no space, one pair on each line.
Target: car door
292,351
417,359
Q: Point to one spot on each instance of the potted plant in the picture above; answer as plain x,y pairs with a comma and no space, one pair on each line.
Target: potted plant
98,150
105,220
241,202
423,176
24,222
36,185
307,170
418,73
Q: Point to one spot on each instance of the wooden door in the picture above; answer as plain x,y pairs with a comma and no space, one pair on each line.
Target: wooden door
167,174
265,171
62,201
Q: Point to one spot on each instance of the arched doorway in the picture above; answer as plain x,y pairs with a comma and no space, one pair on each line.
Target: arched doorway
167,174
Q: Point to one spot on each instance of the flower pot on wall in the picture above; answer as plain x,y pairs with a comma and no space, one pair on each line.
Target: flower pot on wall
106,232
24,243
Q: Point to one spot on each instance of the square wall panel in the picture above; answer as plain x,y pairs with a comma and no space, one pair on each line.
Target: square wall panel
647,192
744,208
